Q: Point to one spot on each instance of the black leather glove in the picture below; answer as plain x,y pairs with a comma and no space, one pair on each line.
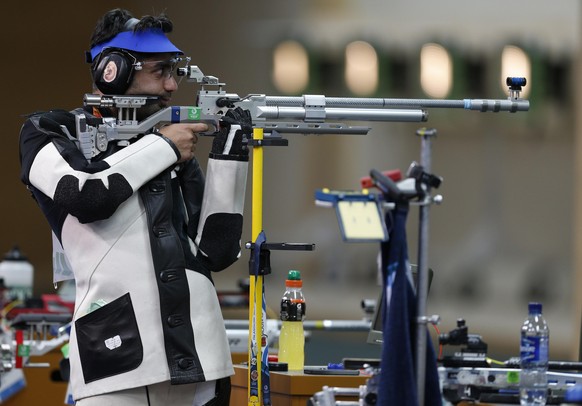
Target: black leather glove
236,128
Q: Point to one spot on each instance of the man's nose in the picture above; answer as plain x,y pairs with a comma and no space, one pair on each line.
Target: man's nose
170,84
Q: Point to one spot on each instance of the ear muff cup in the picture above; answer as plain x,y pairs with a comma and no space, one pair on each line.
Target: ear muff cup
113,72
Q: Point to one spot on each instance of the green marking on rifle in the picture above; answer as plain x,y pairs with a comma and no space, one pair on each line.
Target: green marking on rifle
194,113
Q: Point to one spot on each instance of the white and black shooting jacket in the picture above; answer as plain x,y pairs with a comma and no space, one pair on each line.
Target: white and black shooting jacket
142,236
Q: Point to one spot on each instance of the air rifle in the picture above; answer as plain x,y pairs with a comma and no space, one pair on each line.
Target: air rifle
307,114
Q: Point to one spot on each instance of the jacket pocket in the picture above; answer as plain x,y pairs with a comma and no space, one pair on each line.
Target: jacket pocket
109,341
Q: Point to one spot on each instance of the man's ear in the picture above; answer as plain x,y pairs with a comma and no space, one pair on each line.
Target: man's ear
113,71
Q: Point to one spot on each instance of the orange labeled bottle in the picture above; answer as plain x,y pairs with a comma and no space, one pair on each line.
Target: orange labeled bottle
292,338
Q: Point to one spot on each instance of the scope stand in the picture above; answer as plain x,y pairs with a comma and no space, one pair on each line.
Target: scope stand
424,182
423,278
259,265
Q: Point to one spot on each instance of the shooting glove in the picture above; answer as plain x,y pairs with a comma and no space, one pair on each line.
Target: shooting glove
235,130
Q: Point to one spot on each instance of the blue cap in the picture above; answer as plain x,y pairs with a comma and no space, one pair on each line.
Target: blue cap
146,41
535,308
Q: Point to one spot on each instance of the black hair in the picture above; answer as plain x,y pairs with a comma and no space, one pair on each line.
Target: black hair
115,21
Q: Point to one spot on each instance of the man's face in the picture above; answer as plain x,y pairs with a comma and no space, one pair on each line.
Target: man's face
155,78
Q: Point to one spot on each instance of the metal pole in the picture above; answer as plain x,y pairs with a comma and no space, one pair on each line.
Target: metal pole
422,290
256,282
311,325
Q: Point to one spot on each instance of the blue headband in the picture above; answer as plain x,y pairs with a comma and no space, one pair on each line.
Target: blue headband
147,41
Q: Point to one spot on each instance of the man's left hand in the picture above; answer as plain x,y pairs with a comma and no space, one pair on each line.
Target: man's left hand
235,129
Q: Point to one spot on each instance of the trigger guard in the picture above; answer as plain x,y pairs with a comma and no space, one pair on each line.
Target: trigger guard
213,128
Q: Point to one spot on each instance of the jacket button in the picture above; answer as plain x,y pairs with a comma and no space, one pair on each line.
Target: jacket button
168,276
160,231
184,363
175,320
157,188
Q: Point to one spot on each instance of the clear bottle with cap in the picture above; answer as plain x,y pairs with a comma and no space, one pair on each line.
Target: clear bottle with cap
18,274
291,337
534,351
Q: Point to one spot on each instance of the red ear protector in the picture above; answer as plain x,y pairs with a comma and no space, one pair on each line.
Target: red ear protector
113,71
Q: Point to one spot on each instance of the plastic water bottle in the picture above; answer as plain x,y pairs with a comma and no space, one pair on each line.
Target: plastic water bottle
535,337
18,274
291,338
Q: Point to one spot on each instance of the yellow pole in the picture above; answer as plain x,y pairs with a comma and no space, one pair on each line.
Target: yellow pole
256,283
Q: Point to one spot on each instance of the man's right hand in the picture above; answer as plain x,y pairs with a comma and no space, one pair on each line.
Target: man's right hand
184,137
